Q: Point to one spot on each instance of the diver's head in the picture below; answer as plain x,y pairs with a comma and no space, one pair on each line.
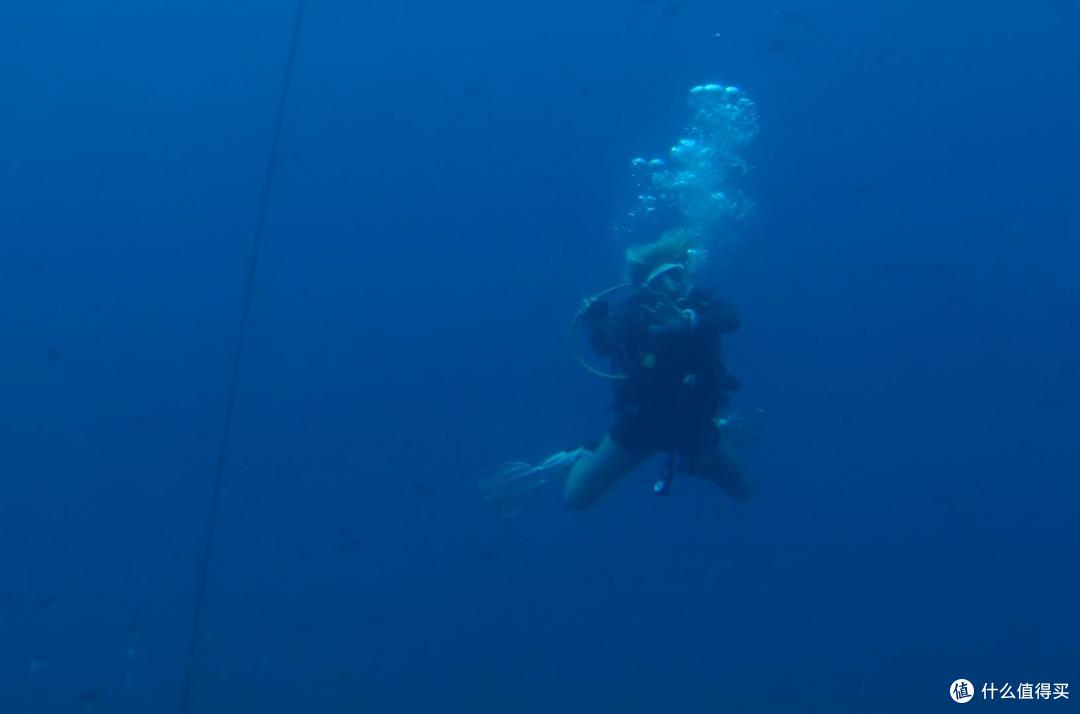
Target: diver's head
665,265
669,279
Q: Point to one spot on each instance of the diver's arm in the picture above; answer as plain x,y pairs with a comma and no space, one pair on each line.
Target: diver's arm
714,315
599,326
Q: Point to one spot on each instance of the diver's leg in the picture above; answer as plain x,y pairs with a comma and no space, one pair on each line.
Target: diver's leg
721,467
596,471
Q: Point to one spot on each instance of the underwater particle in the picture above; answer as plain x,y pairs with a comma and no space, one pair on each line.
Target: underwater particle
657,163
132,653
474,90
90,695
44,602
35,667
540,183
790,18
861,188
397,122
397,479
484,553
336,674
347,540
638,162
424,490
350,546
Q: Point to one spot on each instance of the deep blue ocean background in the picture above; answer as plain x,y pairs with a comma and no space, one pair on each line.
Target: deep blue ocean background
447,181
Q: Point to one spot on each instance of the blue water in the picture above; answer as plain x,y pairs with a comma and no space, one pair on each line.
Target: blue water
447,181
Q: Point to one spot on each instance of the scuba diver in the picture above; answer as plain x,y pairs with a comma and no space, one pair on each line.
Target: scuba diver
664,336
665,344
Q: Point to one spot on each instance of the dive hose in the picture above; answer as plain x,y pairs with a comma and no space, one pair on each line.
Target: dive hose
573,330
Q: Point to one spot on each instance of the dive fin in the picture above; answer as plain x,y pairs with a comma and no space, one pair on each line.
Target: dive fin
742,427
506,486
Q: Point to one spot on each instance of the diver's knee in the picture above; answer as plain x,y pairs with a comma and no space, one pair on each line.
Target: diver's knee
577,498
742,490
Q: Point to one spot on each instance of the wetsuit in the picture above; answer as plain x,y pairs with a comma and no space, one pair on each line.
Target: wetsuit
675,381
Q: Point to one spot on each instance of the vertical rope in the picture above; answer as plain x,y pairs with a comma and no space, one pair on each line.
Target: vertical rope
238,351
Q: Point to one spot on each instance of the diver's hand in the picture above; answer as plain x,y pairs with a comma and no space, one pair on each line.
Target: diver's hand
591,308
666,318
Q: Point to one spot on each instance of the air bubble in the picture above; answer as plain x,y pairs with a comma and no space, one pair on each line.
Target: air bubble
697,189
